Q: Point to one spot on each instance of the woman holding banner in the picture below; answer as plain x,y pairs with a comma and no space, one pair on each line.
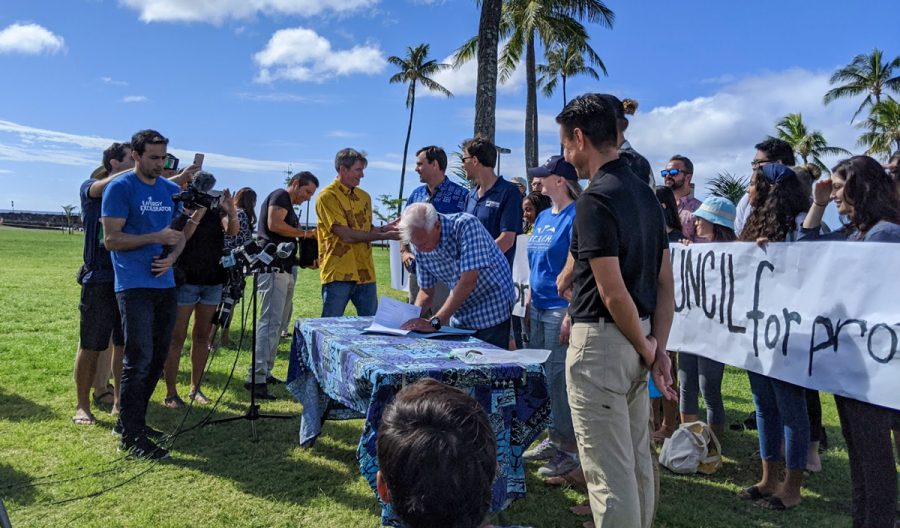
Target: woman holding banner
779,204
864,194
714,221
548,248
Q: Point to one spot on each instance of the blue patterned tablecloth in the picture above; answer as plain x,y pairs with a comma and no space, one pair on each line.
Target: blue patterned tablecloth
337,372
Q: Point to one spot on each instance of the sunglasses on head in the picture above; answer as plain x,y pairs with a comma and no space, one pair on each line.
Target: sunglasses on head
670,172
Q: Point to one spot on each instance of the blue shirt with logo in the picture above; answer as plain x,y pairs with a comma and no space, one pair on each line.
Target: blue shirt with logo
146,209
448,197
499,210
97,260
548,248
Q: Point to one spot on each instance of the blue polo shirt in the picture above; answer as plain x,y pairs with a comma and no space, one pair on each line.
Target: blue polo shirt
448,197
146,209
499,210
464,246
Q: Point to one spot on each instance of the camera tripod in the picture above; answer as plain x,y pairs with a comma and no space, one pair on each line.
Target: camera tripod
252,414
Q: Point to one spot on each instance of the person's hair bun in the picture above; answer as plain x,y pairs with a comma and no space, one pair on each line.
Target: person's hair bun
630,105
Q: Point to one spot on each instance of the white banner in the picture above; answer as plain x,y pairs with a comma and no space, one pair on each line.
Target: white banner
824,315
520,274
399,276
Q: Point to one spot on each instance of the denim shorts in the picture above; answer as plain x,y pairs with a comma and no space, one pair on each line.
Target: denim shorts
191,294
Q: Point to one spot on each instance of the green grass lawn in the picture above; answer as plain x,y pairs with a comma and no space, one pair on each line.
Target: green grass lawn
53,473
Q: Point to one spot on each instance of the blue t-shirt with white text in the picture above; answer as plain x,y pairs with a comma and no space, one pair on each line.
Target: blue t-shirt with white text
548,248
146,209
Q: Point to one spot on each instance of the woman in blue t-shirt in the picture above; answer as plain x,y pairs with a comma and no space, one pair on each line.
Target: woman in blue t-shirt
867,197
548,248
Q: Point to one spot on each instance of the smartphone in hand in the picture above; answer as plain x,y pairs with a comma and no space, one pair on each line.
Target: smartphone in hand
198,160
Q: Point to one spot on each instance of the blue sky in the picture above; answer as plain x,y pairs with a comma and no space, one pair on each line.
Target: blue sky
261,85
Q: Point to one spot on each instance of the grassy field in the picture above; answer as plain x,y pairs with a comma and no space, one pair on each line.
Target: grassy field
53,473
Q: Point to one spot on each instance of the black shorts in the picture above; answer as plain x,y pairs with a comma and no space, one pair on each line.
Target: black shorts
100,316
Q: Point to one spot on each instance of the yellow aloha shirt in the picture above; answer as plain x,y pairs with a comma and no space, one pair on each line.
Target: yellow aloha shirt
338,261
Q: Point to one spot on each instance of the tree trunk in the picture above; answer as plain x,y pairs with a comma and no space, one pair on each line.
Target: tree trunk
486,84
412,107
531,118
565,102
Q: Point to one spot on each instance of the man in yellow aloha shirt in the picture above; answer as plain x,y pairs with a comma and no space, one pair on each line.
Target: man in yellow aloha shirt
345,230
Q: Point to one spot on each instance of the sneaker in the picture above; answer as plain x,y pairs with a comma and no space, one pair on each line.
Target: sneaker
543,451
144,448
149,432
561,464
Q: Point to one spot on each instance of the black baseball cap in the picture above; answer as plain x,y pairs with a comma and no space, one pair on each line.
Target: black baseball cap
555,165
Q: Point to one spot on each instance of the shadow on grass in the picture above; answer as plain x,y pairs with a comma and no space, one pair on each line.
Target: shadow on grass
15,486
275,466
16,408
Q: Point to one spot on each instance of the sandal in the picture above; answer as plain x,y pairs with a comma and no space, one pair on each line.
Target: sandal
198,397
573,479
105,398
173,402
582,509
773,503
85,419
753,493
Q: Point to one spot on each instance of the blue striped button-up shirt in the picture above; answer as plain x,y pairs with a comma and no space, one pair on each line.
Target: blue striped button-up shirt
466,245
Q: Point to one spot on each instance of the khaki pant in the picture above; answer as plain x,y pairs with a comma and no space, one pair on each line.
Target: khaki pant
441,292
607,390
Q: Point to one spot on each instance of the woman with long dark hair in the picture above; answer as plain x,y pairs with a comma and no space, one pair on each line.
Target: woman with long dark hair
666,198
245,204
866,198
779,203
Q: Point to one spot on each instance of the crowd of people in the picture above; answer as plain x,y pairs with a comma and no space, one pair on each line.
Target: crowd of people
601,299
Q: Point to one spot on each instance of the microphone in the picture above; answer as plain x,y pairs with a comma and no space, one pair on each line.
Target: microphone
266,256
285,250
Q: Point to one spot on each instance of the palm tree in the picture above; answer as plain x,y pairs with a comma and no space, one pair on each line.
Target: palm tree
565,61
865,74
882,128
414,69
807,144
69,210
727,185
486,83
553,21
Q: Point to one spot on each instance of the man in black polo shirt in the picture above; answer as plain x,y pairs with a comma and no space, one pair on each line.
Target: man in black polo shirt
621,312
277,223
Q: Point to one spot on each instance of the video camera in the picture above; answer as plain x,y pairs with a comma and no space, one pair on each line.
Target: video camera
199,193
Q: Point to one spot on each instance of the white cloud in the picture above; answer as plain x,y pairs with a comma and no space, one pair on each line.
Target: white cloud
135,99
513,120
344,134
302,55
22,143
220,10
114,82
718,131
462,80
30,39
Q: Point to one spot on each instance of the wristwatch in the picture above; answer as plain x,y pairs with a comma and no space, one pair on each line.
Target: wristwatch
435,322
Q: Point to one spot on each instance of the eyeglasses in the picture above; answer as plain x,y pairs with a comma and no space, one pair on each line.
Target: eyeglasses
759,163
464,158
670,172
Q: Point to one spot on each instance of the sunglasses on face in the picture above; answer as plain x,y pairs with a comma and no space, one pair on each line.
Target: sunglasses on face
670,172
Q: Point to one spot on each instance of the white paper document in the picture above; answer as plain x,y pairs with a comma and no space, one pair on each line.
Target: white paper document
391,315
495,356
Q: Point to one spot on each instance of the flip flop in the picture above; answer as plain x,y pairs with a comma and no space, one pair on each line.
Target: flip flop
84,420
753,493
773,503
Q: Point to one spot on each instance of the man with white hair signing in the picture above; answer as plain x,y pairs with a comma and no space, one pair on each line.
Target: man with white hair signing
457,250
